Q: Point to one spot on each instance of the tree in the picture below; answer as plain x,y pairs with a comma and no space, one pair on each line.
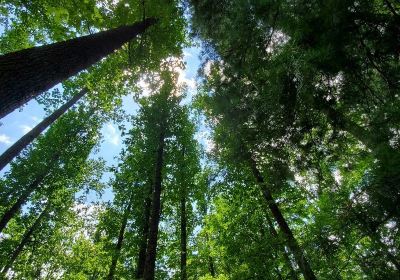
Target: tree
300,92
118,246
49,161
301,259
27,73
297,111
25,251
25,140
25,239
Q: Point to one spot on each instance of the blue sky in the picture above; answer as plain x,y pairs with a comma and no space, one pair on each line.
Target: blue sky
19,122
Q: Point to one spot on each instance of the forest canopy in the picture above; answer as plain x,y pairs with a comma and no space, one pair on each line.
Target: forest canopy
200,139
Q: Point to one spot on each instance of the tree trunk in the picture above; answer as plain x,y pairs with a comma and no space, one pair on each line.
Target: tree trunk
292,272
151,251
183,221
294,247
25,240
21,200
120,241
145,233
183,237
25,140
25,74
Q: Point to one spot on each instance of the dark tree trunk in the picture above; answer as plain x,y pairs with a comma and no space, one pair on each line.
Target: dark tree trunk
25,140
294,247
25,240
183,223
145,233
292,272
183,237
151,251
7,216
120,241
25,74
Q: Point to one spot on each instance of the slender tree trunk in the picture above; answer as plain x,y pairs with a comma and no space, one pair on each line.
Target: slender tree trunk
25,239
145,233
183,237
183,222
120,241
25,140
25,74
294,247
292,272
151,251
7,216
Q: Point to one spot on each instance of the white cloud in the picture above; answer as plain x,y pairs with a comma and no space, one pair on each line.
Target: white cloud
5,139
25,128
111,135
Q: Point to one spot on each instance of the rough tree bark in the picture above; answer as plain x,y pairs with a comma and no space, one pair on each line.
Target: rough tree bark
151,251
25,239
294,247
120,241
25,140
25,74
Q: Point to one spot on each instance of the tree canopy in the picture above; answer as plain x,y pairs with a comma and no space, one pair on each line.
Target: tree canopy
281,162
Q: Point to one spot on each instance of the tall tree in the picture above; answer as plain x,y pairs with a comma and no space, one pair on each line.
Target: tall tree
49,161
292,243
25,239
120,241
48,213
144,231
162,127
184,239
151,250
25,140
27,73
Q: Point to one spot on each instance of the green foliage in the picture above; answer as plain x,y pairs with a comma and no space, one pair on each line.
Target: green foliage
301,99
